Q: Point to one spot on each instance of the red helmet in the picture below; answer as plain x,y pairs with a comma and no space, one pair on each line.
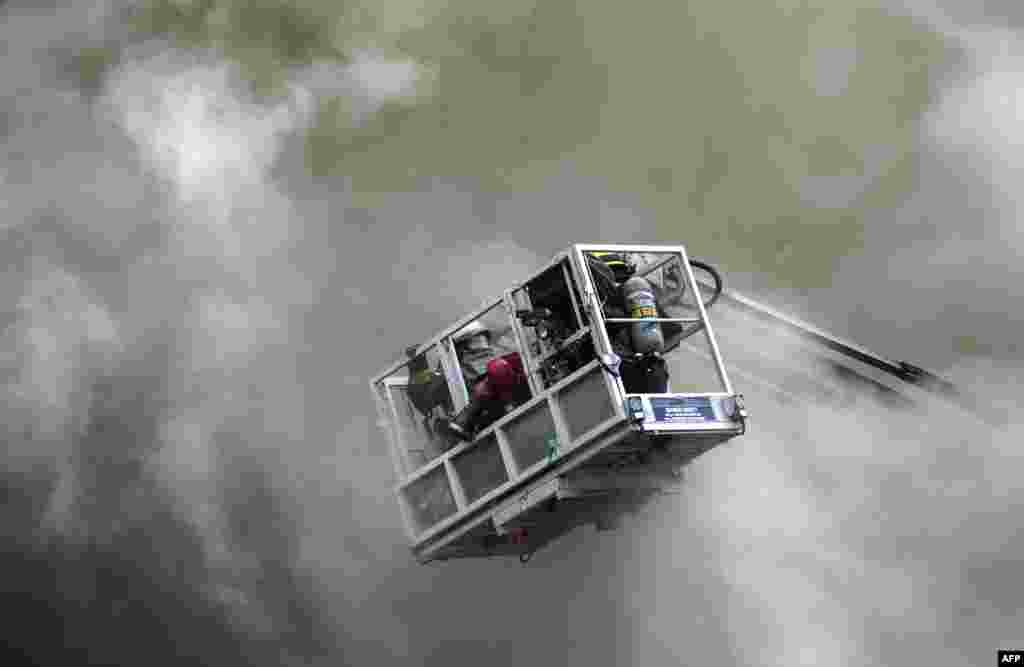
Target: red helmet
505,372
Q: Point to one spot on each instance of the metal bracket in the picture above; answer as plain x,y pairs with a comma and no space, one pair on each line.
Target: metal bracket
635,409
611,363
741,408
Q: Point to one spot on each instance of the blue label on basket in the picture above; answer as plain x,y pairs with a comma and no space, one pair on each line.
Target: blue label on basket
682,410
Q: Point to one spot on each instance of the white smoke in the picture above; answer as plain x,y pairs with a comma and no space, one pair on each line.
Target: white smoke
793,524
973,137
63,334
836,519
229,230
848,534
977,119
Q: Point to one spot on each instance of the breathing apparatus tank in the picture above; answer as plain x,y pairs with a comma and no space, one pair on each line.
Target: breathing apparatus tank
638,298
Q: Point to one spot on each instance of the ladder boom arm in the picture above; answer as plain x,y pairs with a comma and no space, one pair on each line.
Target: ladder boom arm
904,371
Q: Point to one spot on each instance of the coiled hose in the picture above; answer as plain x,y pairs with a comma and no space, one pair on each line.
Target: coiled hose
715,276
717,286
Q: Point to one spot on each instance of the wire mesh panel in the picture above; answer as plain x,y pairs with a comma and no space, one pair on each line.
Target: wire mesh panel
480,469
429,499
532,437
586,403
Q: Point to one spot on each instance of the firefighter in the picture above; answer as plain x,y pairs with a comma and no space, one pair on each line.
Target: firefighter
639,346
503,388
495,380
428,390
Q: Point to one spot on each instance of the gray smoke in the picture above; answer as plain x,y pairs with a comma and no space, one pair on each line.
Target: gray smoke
192,450
850,534
157,282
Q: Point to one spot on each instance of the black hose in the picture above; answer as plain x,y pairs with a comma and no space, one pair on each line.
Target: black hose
715,276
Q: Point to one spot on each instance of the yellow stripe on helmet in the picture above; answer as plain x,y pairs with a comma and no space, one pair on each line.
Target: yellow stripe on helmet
609,262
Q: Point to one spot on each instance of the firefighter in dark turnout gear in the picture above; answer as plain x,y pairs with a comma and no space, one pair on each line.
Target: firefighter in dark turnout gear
642,371
428,391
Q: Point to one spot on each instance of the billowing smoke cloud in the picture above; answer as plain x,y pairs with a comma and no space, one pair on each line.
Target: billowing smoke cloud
178,313
163,375
233,227
950,248
846,532
156,307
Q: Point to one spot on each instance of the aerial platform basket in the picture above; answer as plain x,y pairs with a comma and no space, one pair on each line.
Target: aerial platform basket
581,446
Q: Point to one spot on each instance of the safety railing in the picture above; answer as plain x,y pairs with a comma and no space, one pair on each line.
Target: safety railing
671,254
519,445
